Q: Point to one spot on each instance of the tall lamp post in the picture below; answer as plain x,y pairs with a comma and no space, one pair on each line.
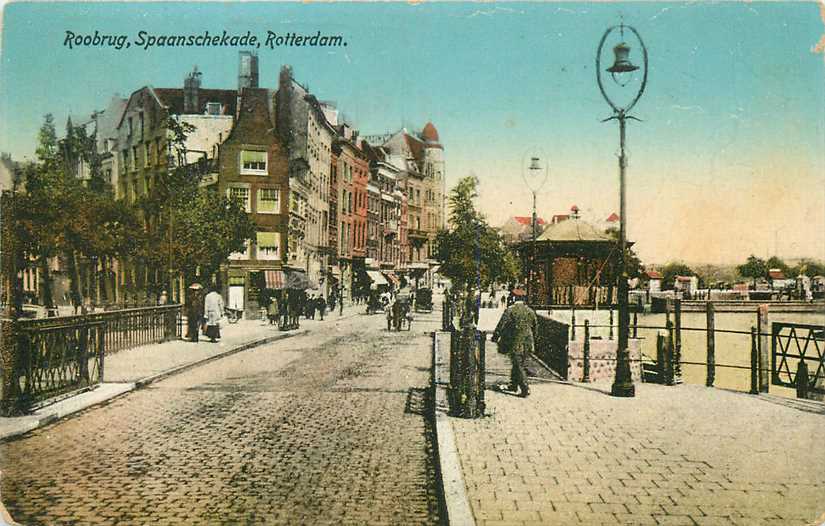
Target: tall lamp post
535,176
622,73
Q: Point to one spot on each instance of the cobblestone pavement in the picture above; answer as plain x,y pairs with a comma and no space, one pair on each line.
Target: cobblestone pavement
572,454
327,428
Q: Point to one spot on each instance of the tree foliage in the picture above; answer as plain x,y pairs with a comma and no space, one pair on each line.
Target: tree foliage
471,253
754,268
673,269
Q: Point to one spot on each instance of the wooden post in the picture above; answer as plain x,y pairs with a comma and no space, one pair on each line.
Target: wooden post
763,328
711,335
635,325
573,324
669,370
677,350
610,337
661,349
754,363
586,368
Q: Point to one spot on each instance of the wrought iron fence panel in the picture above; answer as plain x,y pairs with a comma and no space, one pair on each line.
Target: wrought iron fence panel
792,343
57,359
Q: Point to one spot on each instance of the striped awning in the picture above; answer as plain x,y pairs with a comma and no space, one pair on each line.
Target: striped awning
376,277
275,279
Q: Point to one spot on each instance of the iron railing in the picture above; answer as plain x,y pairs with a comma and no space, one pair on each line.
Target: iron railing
124,329
50,361
795,348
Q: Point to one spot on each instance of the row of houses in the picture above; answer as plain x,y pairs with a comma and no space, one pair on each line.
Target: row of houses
326,201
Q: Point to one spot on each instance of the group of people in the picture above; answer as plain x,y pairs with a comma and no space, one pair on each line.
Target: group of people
203,314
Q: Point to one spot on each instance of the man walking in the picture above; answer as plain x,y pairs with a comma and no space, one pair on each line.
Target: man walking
515,334
213,307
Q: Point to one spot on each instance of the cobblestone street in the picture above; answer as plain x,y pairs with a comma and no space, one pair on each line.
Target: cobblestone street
327,428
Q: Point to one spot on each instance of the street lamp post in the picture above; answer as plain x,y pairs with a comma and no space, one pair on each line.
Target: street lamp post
621,73
535,176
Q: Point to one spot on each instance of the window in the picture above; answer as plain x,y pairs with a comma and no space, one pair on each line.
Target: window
213,108
269,201
129,121
241,255
269,244
147,159
253,162
239,194
134,157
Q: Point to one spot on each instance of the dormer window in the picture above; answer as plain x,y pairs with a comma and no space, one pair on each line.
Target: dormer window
213,108
253,162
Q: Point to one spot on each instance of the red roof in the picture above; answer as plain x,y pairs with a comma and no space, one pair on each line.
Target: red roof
653,274
683,278
430,134
527,220
776,274
612,218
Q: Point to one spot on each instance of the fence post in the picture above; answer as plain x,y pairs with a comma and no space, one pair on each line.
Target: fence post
754,363
101,350
586,358
677,350
711,334
763,333
661,345
573,324
610,337
802,381
669,369
635,325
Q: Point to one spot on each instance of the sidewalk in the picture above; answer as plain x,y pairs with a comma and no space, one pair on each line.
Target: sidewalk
130,369
572,454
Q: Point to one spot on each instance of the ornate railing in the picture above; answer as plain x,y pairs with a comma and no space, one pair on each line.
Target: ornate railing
124,329
798,348
45,358
53,360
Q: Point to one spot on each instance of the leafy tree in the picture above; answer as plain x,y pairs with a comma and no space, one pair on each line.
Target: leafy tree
673,269
471,253
635,268
754,268
809,267
776,262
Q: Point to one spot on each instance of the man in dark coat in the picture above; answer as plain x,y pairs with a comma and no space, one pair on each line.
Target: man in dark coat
321,305
515,336
194,311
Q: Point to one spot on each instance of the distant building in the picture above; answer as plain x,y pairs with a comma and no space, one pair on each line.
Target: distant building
653,278
687,285
520,228
778,281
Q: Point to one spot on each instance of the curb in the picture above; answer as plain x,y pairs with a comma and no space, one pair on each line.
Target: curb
128,387
453,488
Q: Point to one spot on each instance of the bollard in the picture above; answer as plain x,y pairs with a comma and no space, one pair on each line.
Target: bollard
802,381
610,337
586,371
711,361
754,363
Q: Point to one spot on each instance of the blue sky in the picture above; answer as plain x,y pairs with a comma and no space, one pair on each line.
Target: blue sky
730,158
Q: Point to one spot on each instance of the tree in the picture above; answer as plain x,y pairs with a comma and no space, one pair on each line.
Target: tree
754,268
635,268
776,262
673,269
809,267
471,253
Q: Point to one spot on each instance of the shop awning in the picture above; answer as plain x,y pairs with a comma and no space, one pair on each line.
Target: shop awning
376,277
274,279
392,278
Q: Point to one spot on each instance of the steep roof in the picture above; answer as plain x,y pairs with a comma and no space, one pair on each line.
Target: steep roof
574,230
653,274
526,220
172,98
612,218
775,273
429,134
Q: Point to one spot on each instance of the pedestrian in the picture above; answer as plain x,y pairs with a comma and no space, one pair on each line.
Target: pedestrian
194,311
515,336
272,311
321,305
213,309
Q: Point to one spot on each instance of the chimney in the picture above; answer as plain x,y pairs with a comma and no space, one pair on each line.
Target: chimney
191,85
247,70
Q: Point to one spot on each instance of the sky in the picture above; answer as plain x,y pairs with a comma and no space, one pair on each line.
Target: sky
727,160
